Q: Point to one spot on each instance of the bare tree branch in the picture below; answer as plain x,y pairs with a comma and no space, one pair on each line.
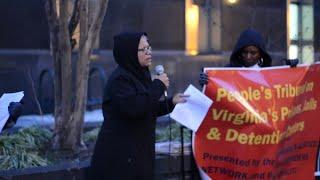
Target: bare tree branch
74,21
96,27
84,8
34,93
52,15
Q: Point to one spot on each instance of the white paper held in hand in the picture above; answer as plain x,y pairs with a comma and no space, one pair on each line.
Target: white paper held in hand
192,113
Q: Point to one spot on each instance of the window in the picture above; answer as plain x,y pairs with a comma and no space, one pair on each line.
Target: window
301,31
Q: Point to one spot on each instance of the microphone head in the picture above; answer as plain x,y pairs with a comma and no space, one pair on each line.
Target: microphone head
159,69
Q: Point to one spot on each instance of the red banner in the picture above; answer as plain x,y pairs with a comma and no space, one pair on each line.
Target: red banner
263,123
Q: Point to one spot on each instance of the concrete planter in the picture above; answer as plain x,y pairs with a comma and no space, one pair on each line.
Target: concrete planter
167,167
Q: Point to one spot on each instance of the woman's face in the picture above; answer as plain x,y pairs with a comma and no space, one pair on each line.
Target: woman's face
144,52
250,55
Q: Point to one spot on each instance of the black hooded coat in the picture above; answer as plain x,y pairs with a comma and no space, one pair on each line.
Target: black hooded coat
125,144
249,37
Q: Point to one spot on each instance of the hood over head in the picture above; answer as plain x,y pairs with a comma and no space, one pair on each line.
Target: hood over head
125,52
249,37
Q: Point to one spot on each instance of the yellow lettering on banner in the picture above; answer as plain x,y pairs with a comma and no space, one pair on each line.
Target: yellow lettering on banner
284,112
231,135
249,95
287,113
221,94
309,86
239,118
268,94
292,129
289,91
252,139
273,137
310,105
213,134
275,116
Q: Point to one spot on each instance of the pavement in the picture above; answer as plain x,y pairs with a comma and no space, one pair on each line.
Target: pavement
91,118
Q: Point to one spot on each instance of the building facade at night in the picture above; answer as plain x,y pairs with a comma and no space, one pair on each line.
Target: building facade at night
185,35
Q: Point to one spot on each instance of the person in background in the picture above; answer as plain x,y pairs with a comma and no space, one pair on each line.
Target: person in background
15,110
126,141
249,52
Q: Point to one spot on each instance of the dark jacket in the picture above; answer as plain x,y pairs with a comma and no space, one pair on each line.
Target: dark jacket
125,145
249,37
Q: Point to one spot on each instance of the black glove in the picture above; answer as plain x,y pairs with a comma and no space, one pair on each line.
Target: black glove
15,110
292,62
203,79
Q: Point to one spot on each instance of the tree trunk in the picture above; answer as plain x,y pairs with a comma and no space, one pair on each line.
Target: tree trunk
70,106
64,52
82,67
88,35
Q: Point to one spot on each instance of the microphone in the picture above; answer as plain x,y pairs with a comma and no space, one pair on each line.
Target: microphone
160,70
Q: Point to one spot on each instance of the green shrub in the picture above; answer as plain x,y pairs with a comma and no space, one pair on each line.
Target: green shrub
163,134
90,136
22,149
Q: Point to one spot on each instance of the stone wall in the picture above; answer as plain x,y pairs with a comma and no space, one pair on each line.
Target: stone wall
32,72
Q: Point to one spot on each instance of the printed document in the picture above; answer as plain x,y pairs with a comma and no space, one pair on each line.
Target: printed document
192,113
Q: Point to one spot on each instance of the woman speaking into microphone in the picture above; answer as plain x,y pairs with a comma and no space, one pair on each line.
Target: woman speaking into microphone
125,145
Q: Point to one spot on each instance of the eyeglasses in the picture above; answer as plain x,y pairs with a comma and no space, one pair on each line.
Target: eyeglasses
146,50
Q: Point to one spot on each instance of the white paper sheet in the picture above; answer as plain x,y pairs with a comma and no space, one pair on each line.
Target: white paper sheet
192,113
5,100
